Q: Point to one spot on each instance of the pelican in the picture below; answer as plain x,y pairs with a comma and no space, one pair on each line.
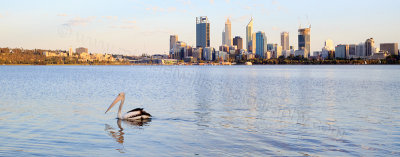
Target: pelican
137,114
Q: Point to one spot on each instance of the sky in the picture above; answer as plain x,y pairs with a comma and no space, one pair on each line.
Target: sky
133,27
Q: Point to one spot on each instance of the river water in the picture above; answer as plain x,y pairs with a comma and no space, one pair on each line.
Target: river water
291,110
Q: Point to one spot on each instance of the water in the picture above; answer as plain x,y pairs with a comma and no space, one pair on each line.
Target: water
201,110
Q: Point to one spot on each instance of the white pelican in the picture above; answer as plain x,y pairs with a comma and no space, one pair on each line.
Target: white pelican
133,115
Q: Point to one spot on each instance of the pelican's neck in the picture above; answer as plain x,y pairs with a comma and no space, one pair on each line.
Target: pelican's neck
120,108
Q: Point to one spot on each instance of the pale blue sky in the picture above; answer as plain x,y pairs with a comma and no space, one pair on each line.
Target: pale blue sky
144,26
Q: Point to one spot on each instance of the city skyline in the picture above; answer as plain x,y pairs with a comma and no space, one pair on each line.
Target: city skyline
135,27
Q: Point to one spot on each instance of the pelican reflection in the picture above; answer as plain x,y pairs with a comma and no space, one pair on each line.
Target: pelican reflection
118,136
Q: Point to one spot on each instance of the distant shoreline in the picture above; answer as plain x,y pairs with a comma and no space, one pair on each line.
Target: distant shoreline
171,64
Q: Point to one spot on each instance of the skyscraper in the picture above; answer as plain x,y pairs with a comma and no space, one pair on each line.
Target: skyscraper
253,43
360,50
238,41
392,48
249,34
202,32
285,40
172,43
228,33
342,51
329,45
304,41
369,46
352,51
223,37
261,44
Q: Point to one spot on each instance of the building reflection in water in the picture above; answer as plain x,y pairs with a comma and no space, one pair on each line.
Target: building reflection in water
118,135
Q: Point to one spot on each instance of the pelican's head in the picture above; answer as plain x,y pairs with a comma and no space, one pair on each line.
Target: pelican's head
120,97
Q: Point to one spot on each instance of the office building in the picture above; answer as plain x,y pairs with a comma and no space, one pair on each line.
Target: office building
352,51
342,51
253,43
391,48
238,41
208,53
249,35
329,45
202,32
304,41
227,34
360,50
285,40
369,47
278,51
172,43
261,44
223,37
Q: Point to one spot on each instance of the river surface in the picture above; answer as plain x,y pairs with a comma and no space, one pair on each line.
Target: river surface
290,110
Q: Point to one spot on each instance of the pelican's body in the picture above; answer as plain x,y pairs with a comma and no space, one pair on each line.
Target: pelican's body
133,115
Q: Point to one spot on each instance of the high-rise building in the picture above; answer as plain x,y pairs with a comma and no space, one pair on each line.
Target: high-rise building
249,36
352,51
223,37
253,43
80,50
228,33
369,47
208,53
202,32
329,45
172,44
360,50
238,41
261,44
180,50
392,48
304,41
342,51
285,40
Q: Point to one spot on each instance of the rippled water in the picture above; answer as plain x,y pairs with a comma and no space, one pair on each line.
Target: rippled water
201,110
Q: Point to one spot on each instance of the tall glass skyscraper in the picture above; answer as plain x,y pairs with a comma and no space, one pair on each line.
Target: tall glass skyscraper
202,32
304,41
249,34
261,44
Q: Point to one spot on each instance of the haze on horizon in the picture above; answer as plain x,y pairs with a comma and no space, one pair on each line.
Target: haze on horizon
134,27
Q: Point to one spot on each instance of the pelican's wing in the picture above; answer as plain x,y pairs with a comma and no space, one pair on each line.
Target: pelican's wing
136,109
133,113
144,113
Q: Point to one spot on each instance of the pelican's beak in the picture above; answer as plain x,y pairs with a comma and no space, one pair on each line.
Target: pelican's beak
114,102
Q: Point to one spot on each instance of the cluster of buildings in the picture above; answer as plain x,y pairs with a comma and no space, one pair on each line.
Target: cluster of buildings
363,50
257,46
82,54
